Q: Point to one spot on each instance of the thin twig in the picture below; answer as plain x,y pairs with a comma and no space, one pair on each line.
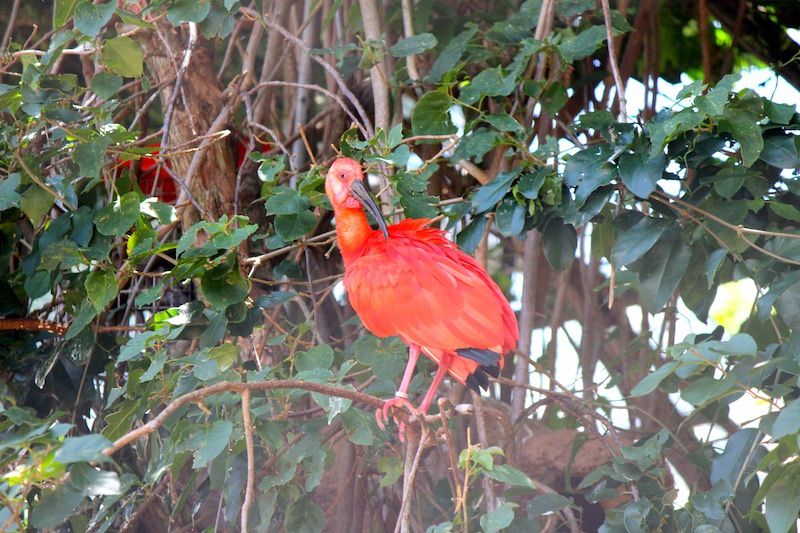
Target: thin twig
404,519
251,462
274,25
612,61
12,20
176,89
317,88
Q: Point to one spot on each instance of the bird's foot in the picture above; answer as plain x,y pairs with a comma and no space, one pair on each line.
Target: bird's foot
400,401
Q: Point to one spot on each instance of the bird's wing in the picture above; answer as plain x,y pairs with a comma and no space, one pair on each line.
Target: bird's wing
427,292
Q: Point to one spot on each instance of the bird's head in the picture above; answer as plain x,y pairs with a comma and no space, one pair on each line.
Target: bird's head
344,185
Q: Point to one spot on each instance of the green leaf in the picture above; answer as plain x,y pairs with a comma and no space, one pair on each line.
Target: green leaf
788,421
588,170
729,180
510,217
209,442
413,45
224,285
101,288
431,116
633,243
188,11
489,82
419,205
391,468
661,271
469,237
667,125
90,18
9,197
62,12
511,476
90,156
553,98
285,201
781,151
123,56
83,449
585,43
705,389
652,380
317,357
737,458
764,304
713,263
547,503
116,218
739,344
560,241
477,144
84,317
224,355
92,481
386,357
291,227
275,298
304,516
640,173
395,135
105,85
488,195
450,56
155,368
530,184
136,345
498,519
779,113
55,506
783,501
634,516
504,122
35,202
787,211
741,118
713,102
270,167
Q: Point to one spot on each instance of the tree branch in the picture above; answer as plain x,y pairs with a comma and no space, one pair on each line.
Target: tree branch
230,386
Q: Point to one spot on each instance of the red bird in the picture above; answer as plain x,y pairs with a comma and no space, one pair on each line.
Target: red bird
409,280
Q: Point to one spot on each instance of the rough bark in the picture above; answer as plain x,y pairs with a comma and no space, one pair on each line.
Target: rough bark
195,109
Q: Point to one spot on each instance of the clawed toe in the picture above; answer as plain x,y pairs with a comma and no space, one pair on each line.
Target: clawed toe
382,414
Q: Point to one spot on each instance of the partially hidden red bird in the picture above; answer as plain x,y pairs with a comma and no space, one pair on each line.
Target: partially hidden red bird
409,280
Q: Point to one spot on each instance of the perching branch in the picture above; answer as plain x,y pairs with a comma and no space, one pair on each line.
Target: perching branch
229,386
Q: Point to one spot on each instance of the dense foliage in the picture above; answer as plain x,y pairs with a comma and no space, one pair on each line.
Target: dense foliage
187,357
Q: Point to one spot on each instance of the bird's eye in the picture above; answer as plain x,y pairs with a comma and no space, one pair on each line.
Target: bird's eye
341,177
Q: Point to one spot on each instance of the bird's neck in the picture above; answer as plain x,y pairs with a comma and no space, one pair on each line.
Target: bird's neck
352,231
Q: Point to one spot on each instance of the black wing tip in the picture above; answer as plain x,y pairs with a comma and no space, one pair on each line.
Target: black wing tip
489,365
480,378
481,356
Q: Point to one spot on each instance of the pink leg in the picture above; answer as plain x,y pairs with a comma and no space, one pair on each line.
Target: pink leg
413,356
441,372
401,396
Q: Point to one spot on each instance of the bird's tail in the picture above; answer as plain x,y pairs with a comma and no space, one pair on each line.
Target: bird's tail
470,367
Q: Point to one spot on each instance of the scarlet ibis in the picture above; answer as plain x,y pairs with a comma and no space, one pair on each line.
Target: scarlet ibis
409,280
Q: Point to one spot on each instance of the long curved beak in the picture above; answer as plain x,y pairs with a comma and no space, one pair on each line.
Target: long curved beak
359,191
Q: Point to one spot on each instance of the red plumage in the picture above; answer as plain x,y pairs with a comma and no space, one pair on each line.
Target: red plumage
409,280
